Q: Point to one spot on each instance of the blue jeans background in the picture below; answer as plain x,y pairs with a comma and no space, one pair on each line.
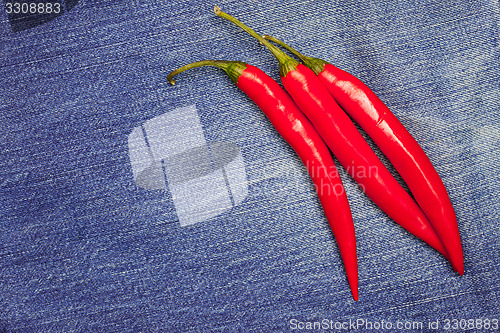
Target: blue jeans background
84,249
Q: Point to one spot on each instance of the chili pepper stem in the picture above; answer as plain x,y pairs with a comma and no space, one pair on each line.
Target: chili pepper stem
286,62
315,64
232,68
296,53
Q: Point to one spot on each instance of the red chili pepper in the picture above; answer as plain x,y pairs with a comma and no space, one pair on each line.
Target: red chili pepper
346,143
296,129
409,159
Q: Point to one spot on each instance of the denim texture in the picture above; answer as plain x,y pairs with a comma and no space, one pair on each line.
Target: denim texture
83,248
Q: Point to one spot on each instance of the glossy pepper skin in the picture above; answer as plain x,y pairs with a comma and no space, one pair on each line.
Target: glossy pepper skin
300,134
347,144
394,140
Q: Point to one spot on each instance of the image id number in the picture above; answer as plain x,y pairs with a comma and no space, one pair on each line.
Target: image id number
478,324
32,8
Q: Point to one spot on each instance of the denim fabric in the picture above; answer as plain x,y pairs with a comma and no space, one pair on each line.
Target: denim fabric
84,247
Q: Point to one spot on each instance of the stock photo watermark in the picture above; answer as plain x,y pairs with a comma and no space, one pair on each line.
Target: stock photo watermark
325,177
363,324
324,187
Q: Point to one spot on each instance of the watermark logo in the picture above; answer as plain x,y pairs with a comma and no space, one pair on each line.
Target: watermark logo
170,152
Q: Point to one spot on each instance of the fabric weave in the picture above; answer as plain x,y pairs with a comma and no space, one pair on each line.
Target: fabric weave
83,248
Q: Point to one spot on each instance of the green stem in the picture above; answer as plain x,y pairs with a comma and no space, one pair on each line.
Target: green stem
317,65
287,63
232,68
287,47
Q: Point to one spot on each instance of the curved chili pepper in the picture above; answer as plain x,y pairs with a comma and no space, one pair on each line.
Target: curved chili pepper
300,134
394,140
346,143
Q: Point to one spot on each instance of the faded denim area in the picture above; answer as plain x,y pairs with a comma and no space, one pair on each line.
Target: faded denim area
84,247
